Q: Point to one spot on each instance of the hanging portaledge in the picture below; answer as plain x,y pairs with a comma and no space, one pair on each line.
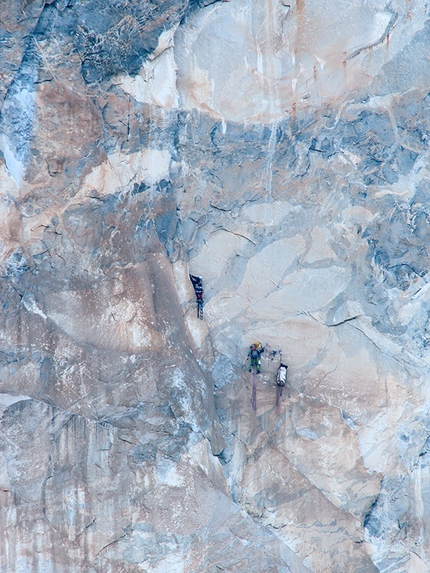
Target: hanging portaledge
198,288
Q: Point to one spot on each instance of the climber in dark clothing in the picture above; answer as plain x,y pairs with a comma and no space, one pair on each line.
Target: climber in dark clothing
255,350
198,289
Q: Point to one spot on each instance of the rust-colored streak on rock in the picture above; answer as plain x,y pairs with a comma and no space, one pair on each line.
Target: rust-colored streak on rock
345,70
294,109
300,6
300,10
68,122
71,112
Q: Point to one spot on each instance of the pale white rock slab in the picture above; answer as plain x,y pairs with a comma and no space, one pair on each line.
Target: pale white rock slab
271,214
155,83
121,171
320,248
255,62
219,247
123,324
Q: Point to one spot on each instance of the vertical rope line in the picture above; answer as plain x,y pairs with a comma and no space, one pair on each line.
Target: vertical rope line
254,389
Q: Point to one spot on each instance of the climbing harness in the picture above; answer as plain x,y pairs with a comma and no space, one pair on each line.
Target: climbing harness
198,289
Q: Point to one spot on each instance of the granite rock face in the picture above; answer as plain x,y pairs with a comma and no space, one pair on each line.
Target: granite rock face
280,151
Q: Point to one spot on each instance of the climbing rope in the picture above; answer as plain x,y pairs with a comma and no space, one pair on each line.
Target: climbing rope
254,389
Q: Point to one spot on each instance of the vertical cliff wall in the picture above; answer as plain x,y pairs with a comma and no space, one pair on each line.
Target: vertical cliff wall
279,150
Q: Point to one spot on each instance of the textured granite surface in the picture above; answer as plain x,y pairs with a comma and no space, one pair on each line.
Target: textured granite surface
279,150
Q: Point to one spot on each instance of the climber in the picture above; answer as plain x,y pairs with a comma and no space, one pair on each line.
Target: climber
255,350
198,289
